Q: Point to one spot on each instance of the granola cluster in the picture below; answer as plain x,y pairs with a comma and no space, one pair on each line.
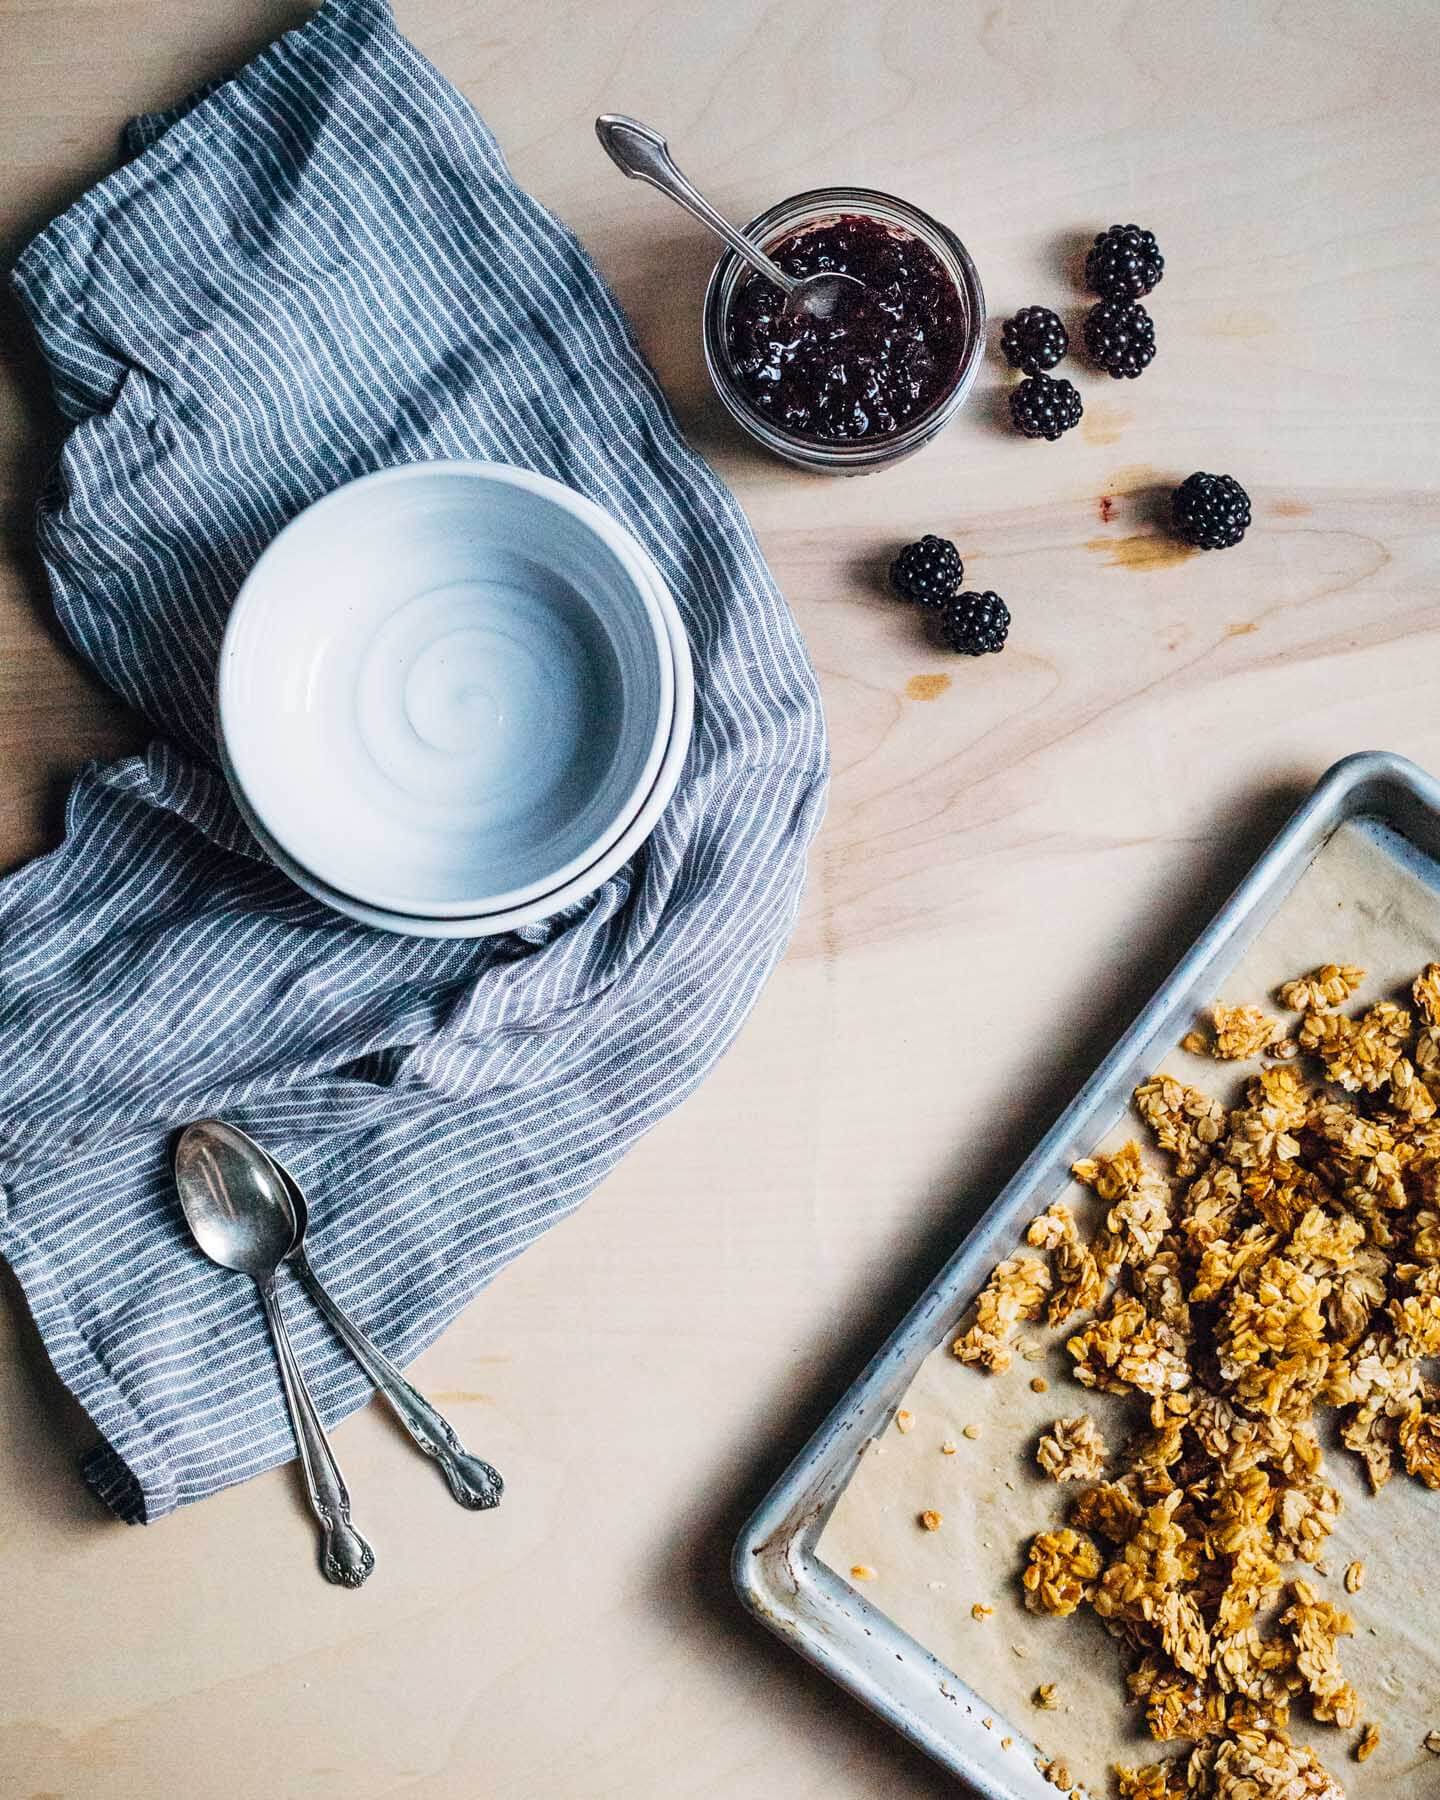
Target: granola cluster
1287,1260
1072,1450
1238,1033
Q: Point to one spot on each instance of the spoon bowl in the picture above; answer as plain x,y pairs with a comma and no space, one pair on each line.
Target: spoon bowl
472,1480
827,297
238,1209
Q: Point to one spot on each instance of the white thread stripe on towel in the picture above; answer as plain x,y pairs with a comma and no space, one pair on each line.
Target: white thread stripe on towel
319,268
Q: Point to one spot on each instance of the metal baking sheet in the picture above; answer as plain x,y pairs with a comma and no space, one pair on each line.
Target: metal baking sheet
777,1571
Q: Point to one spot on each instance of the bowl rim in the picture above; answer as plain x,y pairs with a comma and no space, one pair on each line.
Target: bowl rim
493,924
642,577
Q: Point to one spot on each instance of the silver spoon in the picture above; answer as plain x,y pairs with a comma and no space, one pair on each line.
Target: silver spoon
239,1213
473,1482
645,156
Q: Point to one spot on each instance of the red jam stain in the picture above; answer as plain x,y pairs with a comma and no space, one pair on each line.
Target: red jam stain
1107,509
872,369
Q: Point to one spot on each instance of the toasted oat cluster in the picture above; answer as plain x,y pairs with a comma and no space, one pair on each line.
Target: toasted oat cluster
1288,1259
1072,1450
1331,985
1239,1033
1016,1290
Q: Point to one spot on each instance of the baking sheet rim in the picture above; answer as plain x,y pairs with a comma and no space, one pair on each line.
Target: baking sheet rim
775,1572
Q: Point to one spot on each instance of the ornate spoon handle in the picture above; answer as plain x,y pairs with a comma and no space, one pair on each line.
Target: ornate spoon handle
345,1557
473,1482
640,152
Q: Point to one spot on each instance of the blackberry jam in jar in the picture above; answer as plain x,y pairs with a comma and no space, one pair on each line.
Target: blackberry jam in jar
880,378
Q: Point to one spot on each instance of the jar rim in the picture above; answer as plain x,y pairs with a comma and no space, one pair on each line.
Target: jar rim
813,207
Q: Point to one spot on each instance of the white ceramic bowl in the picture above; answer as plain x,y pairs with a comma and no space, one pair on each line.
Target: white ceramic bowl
625,846
446,690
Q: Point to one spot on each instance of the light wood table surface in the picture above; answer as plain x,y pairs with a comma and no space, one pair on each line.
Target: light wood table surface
1016,849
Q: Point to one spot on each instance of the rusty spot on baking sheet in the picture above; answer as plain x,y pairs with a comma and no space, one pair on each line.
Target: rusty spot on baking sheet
1102,423
927,687
1291,509
1144,550
1241,628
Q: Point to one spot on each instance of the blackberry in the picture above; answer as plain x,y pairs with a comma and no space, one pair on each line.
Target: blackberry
1124,263
1120,337
1210,512
1034,340
975,624
1044,406
928,572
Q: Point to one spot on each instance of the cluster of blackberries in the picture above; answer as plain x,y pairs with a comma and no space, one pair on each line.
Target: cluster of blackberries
1123,263
929,574
1209,512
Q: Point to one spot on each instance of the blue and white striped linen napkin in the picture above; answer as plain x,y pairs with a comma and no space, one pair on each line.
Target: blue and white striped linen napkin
315,269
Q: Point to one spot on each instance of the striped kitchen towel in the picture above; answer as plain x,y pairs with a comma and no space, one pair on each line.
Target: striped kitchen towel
316,269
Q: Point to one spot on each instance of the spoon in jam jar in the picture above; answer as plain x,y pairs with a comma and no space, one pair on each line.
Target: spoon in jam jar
645,156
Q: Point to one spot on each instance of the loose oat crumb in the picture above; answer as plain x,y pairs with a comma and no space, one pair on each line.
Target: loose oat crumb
989,1724
904,1420
949,1447
862,1572
1007,1743
1196,1043
1057,1774
1369,1742
1020,1650
970,1431
1038,1384
932,1520
1033,1355
1321,1566
1046,1697
980,1611
1354,1577
1431,1742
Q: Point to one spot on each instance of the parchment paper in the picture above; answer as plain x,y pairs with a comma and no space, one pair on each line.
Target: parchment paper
1358,902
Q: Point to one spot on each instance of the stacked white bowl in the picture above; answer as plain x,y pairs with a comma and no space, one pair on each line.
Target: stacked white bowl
453,698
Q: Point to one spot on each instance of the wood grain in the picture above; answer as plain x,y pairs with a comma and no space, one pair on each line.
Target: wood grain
1016,849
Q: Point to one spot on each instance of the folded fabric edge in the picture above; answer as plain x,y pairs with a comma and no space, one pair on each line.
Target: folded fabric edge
140,1488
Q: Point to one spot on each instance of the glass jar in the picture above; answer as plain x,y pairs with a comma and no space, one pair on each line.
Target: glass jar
855,456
